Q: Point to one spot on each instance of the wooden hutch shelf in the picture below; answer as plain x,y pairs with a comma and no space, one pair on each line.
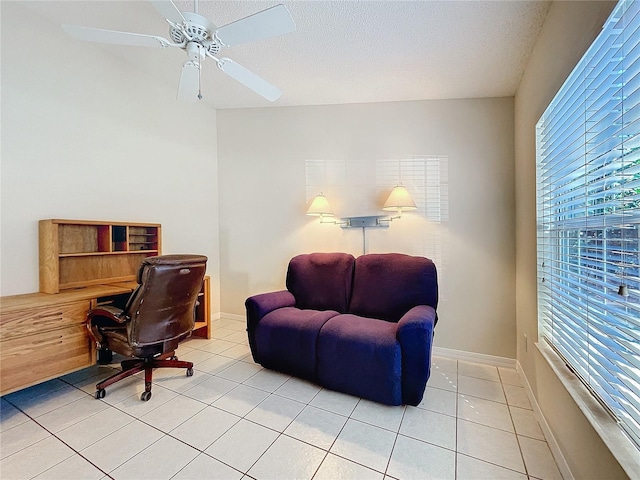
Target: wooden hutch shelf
82,252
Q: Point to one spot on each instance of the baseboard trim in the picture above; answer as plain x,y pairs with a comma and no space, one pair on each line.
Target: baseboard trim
563,466
492,360
229,316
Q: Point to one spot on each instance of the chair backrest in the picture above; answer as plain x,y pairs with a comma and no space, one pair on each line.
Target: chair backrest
321,281
387,285
163,306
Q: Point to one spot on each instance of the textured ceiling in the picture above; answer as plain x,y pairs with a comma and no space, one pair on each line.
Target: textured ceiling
342,51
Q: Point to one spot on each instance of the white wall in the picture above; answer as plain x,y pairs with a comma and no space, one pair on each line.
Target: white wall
85,136
262,153
569,29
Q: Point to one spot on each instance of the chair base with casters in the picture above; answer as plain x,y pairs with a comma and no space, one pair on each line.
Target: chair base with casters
133,366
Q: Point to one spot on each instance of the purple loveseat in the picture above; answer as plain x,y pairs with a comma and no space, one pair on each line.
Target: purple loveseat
362,326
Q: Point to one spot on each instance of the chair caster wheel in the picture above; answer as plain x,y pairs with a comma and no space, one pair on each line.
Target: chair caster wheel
174,357
145,396
189,372
100,393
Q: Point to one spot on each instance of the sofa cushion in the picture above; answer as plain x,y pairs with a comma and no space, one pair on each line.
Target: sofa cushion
286,340
387,285
321,281
361,356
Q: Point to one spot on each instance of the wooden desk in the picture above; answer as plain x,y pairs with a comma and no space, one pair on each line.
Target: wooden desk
43,336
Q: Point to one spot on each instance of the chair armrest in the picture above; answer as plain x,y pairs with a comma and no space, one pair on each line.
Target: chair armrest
415,335
103,316
107,311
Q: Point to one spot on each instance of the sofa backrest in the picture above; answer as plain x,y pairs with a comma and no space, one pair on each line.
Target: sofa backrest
387,285
321,281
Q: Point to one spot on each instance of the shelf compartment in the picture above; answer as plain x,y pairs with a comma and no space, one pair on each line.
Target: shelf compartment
92,270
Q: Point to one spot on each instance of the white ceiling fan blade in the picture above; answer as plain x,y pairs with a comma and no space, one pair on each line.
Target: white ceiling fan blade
168,10
189,87
249,79
112,36
267,23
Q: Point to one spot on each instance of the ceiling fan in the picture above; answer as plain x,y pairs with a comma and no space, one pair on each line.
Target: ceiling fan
200,38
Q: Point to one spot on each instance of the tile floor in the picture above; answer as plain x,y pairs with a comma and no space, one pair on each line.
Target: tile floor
235,420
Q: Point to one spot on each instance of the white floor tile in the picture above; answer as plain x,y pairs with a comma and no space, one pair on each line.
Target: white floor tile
469,468
29,394
288,458
94,428
476,370
489,444
10,416
478,387
240,371
203,467
214,364
241,400
336,402
173,413
430,427
365,444
267,380
412,459
118,447
211,389
217,346
510,376
298,390
517,396
317,427
36,406
238,337
242,445
160,461
71,413
338,468
440,401
444,364
73,468
237,352
485,412
205,427
383,416
35,459
196,356
525,423
221,333
443,380
95,371
21,436
538,459
275,412
182,383
133,405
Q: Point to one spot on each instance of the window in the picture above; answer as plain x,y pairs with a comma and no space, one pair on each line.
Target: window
588,198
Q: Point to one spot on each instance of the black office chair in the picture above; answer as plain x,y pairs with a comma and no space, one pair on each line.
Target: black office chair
159,314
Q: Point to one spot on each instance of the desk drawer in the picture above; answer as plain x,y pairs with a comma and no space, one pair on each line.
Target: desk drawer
41,319
30,359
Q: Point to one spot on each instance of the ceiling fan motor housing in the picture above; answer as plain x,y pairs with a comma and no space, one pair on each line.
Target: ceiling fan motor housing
201,31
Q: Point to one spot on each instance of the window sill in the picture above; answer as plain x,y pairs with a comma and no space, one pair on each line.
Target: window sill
621,447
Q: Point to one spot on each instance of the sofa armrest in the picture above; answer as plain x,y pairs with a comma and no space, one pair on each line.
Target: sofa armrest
415,335
259,305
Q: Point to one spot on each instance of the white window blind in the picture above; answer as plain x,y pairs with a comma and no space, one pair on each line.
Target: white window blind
588,196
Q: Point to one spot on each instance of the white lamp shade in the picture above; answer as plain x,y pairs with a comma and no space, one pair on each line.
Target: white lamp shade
399,199
320,207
